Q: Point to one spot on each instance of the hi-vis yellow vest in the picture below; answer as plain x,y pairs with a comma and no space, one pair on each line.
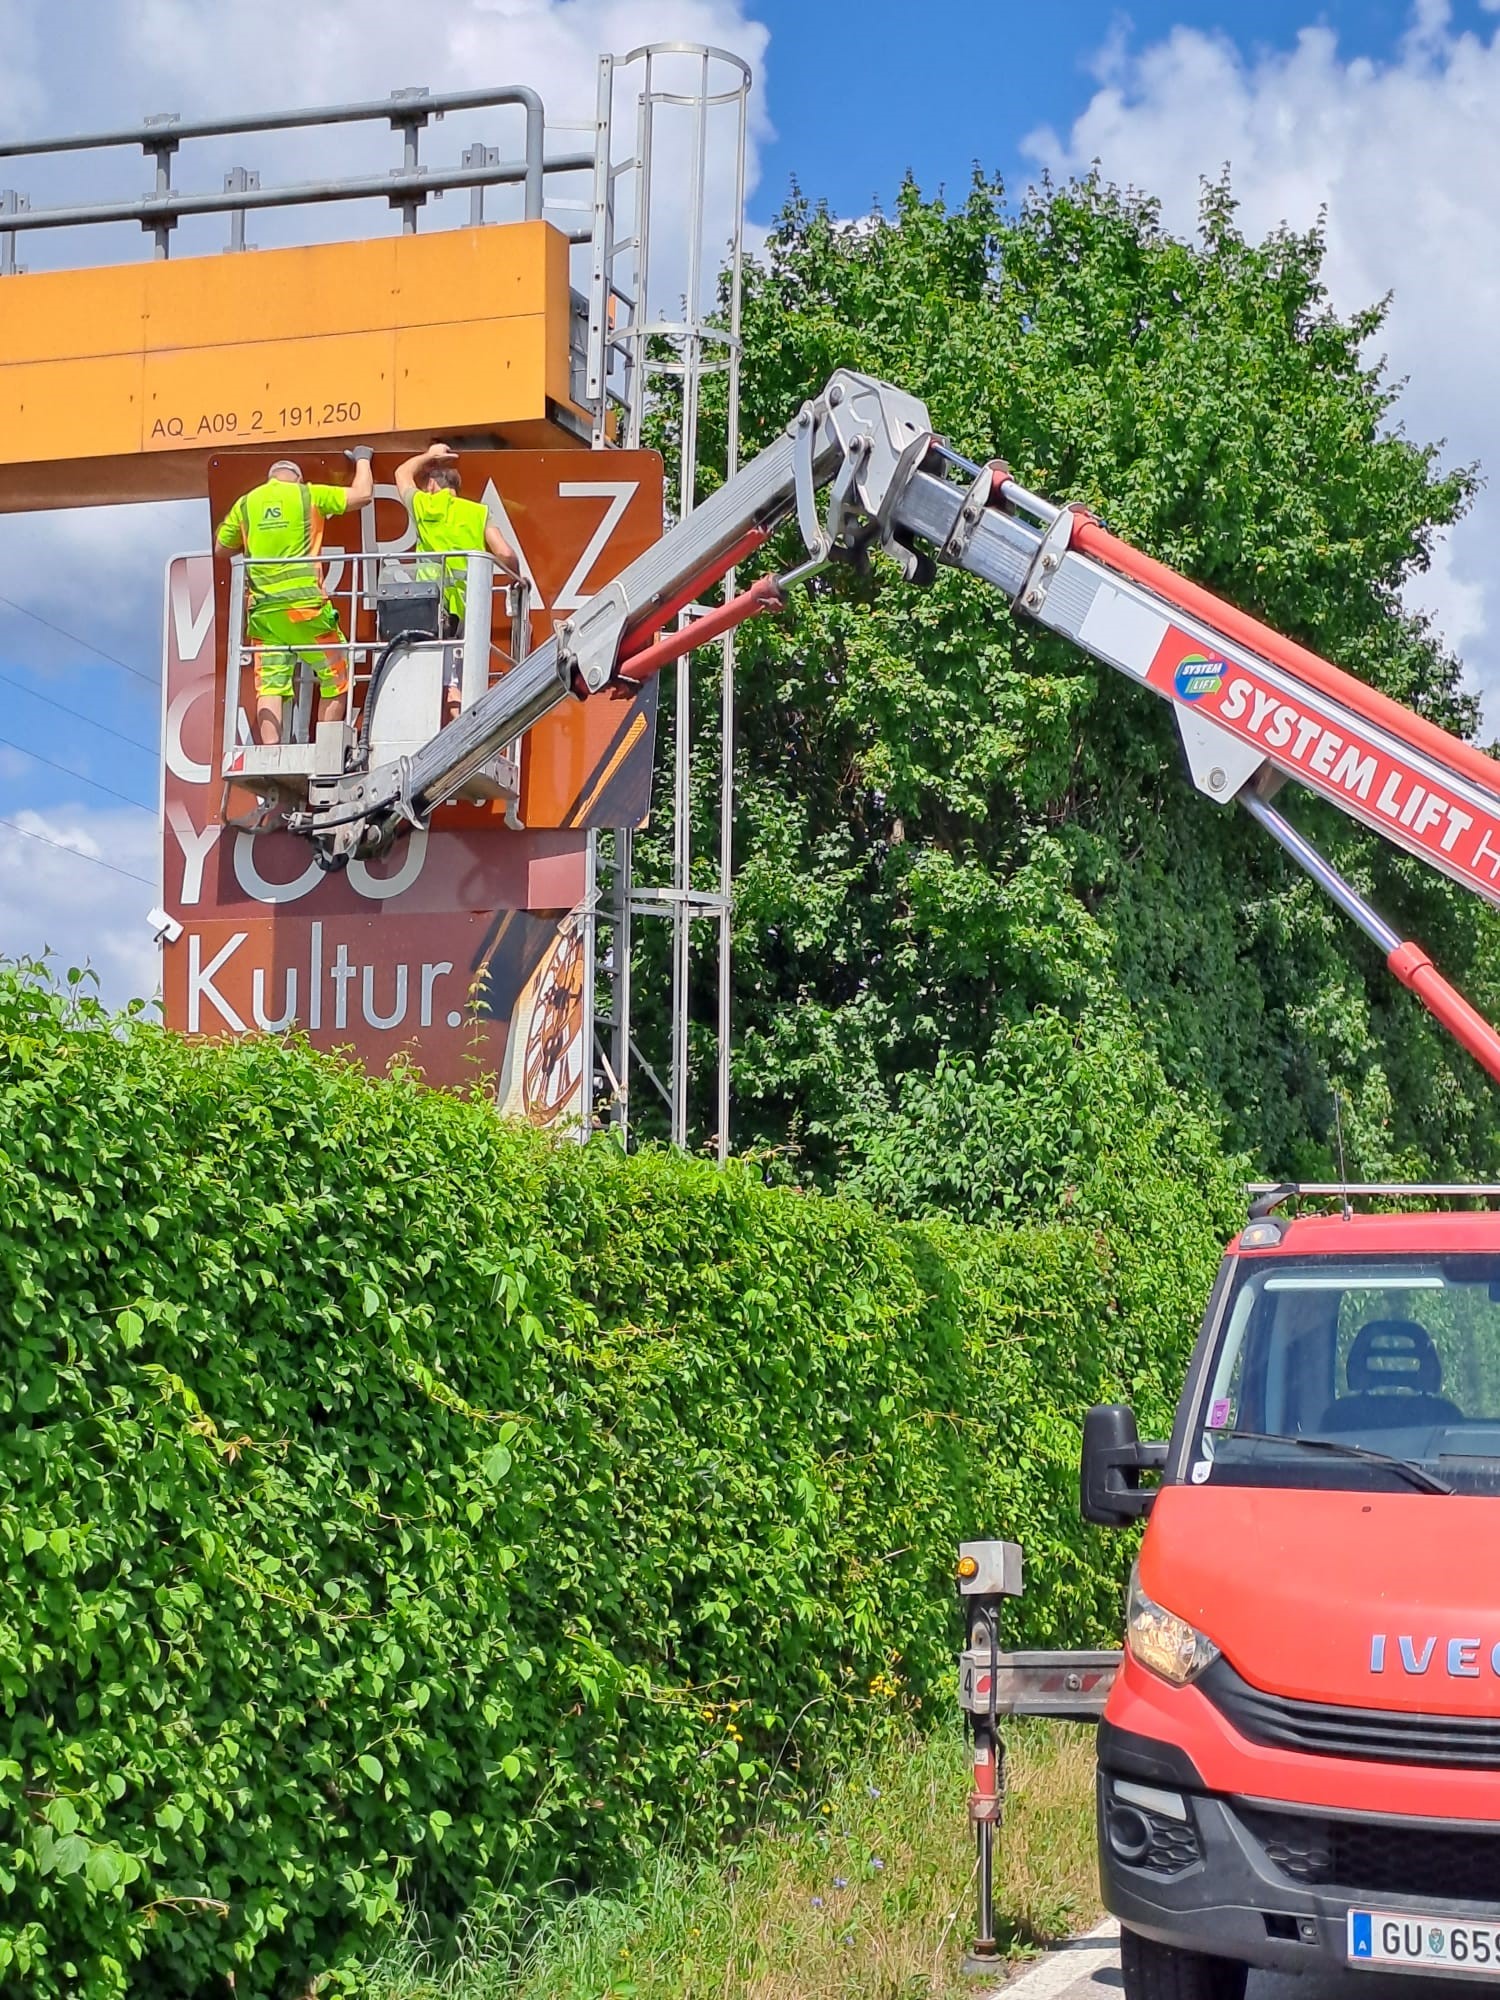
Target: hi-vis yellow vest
274,524
446,524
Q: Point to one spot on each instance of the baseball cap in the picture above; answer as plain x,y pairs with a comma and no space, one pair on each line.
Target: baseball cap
287,465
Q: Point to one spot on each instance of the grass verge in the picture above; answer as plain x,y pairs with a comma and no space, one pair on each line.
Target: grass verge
869,1895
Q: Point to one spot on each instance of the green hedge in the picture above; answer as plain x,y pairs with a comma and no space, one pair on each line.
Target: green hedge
391,1503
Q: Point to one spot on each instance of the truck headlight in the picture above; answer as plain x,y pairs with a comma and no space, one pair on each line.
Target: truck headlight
1161,1640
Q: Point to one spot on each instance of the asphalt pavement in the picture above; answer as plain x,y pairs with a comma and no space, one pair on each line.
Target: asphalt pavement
1088,1968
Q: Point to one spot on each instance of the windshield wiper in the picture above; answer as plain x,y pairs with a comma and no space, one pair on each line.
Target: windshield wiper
1414,1474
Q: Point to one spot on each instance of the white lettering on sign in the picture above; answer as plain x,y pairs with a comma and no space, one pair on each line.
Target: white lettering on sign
385,988
1350,768
395,545
195,848
201,982
178,761
374,888
255,884
619,493
430,976
1355,771
315,980
379,888
288,1013
499,514
341,972
190,628
367,1000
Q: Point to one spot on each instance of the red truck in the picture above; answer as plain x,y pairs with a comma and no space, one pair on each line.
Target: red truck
1299,1759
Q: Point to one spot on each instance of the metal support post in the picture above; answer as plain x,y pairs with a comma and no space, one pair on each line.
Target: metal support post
986,1811
11,203
622,946
161,150
601,259
478,156
588,1028
634,346
408,119
239,180
725,1025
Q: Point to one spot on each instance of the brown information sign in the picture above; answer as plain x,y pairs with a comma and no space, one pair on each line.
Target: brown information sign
461,949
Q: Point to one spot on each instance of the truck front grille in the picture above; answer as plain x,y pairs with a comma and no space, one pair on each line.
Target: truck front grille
1373,1857
1382,1736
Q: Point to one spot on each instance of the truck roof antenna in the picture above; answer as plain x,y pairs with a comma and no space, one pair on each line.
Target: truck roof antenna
1338,1134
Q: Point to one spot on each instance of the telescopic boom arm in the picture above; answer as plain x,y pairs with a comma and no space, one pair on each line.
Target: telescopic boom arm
1253,708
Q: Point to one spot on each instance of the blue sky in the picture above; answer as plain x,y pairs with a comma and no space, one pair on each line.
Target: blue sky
853,111
1165,91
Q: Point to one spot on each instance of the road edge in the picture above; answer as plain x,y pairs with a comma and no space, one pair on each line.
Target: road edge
1062,1965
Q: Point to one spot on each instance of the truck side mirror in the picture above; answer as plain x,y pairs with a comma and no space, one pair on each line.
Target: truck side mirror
1110,1490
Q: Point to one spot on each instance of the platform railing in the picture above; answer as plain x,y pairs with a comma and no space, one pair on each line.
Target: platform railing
379,723
406,187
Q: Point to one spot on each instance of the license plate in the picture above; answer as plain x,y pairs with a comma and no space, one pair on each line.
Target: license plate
1426,1944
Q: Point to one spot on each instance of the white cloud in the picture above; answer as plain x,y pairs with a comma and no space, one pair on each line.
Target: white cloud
21,94
1405,157
57,895
123,553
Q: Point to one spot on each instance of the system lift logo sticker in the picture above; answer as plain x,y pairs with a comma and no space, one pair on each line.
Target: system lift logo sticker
1199,674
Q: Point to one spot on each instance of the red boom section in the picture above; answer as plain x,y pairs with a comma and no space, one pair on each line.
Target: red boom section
639,661
1447,1006
1410,964
1092,539
640,636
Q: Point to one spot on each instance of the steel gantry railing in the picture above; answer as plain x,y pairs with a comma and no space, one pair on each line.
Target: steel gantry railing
406,187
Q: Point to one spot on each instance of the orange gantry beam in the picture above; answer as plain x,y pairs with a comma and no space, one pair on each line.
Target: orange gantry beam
116,384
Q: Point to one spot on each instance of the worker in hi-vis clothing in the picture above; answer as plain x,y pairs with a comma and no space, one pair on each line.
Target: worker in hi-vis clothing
288,618
449,526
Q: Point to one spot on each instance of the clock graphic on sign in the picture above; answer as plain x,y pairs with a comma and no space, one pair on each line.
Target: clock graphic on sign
553,1065
532,975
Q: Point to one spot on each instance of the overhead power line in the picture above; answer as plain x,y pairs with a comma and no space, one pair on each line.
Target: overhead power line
68,772
88,645
77,853
151,749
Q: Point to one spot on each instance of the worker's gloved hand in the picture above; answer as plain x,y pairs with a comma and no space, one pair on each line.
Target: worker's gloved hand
359,453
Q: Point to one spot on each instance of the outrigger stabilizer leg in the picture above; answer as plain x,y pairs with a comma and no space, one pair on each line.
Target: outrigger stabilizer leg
988,1573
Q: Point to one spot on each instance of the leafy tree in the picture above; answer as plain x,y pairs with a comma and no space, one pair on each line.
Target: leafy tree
948,820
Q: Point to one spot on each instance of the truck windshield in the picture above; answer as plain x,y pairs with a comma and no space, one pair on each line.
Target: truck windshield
1397,1356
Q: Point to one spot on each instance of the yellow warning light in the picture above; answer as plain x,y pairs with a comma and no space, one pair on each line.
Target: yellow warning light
967,1567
